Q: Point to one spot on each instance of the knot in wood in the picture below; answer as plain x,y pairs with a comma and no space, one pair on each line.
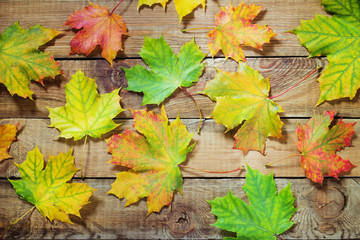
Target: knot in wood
329,201
181,222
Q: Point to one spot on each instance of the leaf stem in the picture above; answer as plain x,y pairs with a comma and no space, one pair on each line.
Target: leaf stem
31,209
198,28
189,95
116,7
82,157
211,171
279,160
296,84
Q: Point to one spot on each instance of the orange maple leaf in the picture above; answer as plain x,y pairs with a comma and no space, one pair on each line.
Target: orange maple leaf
234,28
7,136
318,146
153,158
100,27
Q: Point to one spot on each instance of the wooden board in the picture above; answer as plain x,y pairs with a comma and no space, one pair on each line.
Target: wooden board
282,16
283,72
327,212
213,150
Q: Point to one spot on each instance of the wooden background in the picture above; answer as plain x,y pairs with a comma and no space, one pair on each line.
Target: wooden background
328,211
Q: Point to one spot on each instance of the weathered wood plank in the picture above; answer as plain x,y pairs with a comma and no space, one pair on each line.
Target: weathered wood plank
213,150
282,16
329,212
283,73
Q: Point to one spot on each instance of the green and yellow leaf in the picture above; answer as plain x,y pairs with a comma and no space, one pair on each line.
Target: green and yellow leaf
21,60
243,98
86,112
265,217
338,38
168,71
47,189
152,156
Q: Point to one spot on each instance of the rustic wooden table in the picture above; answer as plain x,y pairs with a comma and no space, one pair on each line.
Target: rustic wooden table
330,211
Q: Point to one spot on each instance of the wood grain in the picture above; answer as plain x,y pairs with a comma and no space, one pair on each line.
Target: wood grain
213,150
283,73
328,212
281,16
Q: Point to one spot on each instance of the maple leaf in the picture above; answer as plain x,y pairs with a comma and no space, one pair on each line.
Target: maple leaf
21,61
338,38
85,112
152,157
243,96
168,72
267,214
318,146
183,7
234,28
47,189
99,27
7,136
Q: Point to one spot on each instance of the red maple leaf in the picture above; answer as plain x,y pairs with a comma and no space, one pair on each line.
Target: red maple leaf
318,146
99,27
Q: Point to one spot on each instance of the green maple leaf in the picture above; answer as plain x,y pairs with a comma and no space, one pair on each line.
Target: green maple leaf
21,61
338,38
47,189
168,71
85,112
267,214
152,157
243,96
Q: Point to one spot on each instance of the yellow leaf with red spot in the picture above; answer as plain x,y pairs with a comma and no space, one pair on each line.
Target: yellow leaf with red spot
318,146
98,27
7,136
152,156
234,29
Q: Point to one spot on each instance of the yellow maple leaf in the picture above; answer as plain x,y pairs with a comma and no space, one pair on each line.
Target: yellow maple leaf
183,7
7,136
234,29
47,189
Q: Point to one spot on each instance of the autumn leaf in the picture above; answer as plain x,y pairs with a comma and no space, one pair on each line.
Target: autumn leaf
7,136
47,189
318,146
152,2
152,156
85,112
243,96
183,7
98,27
234,29
21,61
338,38
168,71
265,217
